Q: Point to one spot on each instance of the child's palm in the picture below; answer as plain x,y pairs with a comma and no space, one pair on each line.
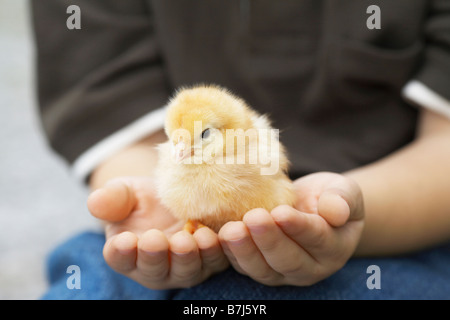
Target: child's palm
144,240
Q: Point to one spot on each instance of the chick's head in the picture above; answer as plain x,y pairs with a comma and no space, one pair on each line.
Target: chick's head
197,121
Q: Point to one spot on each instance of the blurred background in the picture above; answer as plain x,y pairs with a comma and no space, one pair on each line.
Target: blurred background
41,204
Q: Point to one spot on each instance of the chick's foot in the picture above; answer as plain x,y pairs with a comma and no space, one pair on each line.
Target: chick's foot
191,226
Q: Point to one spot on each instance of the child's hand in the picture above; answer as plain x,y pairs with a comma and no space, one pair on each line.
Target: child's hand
144,241
301,245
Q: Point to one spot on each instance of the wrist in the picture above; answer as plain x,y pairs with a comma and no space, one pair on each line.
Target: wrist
138,159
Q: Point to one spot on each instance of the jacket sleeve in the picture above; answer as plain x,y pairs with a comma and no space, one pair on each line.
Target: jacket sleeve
430,87
96,80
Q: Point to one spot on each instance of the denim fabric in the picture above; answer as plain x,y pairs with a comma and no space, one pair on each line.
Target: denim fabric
424,275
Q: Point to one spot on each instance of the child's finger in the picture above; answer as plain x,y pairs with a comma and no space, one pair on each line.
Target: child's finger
229,254
333,208
341,201
247,255
211,253
310,231
152,260
120,252
281,252
185,263
113,202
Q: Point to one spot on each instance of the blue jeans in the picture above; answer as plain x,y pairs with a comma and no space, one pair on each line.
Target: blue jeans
424,275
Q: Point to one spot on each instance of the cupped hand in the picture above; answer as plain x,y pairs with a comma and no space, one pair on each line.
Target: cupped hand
146,243
299,245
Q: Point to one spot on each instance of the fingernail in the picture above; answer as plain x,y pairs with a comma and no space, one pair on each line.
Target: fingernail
152,253
257,229
181,254
96,193
236,242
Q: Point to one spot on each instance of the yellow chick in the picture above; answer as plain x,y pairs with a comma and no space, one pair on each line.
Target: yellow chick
222,159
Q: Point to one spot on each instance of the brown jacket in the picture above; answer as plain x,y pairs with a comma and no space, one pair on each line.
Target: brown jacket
332,85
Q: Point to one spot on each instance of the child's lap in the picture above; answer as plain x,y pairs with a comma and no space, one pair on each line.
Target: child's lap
424,275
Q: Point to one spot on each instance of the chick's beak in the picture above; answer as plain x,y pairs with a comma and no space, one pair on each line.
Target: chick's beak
182,151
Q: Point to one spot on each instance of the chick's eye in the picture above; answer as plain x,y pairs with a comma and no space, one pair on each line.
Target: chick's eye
206,133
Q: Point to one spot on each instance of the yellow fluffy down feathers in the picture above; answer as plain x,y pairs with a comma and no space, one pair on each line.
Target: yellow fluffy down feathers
221,160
